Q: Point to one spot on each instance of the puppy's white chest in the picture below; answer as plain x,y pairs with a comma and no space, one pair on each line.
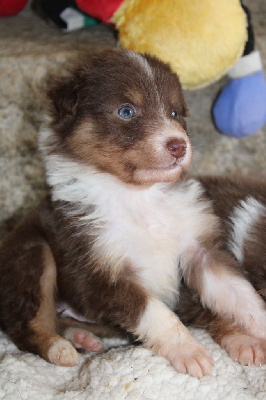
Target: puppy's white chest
149,231
154,254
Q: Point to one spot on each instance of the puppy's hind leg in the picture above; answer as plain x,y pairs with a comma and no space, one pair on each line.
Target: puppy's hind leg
51,346
27,286
86,335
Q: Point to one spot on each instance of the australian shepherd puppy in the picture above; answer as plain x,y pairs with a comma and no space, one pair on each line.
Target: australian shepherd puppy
122,227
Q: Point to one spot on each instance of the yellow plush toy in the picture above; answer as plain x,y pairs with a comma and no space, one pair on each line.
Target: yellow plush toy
200,39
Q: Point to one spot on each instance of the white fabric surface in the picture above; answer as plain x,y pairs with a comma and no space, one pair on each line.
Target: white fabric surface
125,372
246,65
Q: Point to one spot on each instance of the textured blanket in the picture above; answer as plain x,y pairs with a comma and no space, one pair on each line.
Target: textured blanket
124,371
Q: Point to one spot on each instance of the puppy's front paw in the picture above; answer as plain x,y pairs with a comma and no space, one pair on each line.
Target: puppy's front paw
194,360
61,352
189,358
245,349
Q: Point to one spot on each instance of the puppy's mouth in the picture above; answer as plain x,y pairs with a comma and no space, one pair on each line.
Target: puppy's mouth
166,170
158,174
161,173
167,166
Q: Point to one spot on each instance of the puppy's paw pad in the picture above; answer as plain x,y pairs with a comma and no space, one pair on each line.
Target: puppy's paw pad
61,352
83,339
245,349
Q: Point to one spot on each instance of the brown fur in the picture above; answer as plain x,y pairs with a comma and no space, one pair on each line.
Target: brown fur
20,283
50,257
226,192
98,98
43,323
27,306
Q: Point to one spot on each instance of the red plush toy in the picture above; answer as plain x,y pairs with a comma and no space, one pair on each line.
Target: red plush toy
100,9
11,7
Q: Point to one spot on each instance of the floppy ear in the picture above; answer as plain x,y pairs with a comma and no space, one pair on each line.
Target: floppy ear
185,111
63,94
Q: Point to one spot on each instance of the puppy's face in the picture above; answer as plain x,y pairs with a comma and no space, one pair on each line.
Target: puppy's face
123,113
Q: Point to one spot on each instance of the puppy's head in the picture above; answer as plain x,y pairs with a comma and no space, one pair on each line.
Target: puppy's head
123,113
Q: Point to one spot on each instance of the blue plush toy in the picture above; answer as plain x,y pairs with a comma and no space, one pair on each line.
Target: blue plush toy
240,109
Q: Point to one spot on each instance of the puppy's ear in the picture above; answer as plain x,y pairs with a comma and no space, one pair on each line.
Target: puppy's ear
185,111
63,95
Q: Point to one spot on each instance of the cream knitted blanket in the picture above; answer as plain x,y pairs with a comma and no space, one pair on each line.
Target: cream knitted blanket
124,371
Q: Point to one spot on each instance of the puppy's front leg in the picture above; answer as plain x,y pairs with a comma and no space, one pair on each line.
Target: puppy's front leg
224,290
126,303
161,331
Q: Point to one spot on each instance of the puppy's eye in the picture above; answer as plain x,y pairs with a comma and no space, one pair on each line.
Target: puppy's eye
126,112
174,114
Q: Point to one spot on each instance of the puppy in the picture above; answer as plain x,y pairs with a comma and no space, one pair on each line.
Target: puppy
122,225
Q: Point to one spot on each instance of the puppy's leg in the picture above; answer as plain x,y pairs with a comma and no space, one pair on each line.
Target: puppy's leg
241,347
85,335
50,345
225,291
122,301
82,338
161,330
27,285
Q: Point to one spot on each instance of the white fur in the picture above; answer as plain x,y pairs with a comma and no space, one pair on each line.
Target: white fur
244,216
148,227
147,69
61,352
143,62
161,330
234,297
157,322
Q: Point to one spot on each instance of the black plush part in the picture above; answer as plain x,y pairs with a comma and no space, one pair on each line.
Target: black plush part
51,10
250,44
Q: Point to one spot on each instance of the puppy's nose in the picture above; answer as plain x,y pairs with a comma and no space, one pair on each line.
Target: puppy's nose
177,148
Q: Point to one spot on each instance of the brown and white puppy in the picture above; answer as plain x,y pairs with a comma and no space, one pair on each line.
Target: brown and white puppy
122,225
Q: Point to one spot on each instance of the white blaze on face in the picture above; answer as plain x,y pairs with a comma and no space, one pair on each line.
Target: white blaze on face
142,62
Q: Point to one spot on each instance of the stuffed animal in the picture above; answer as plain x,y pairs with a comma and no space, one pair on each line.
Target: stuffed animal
9,8
191,35
201,40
